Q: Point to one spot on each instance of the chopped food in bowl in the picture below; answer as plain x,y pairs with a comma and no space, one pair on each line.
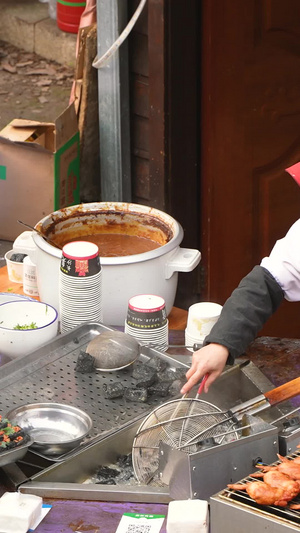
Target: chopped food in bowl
14,441
26,325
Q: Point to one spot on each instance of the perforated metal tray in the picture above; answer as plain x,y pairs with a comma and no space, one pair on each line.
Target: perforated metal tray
48,375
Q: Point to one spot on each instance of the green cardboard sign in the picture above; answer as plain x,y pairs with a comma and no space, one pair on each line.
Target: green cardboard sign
2,172
67,164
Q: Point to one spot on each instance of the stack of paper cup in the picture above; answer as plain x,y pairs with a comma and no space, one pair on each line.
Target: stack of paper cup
80,285
201,318
147,320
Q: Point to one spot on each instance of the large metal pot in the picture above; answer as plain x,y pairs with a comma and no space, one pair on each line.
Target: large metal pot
153,272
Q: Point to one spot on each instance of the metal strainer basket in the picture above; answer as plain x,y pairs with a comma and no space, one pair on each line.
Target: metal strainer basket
185,423
182,424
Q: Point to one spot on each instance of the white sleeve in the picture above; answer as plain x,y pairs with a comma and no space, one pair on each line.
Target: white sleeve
284,263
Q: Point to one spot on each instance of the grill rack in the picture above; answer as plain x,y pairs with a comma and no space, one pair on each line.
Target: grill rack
242,498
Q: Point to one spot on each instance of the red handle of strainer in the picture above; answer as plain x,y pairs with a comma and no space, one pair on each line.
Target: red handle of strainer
201,387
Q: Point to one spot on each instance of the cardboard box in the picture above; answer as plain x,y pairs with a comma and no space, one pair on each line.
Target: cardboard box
39,170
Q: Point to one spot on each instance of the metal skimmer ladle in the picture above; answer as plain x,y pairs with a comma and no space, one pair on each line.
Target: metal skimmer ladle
40,233
113,350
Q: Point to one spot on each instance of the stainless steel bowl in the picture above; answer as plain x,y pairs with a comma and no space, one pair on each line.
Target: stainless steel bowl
55,428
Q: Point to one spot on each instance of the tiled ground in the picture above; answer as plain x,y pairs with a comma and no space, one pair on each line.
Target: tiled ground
4,247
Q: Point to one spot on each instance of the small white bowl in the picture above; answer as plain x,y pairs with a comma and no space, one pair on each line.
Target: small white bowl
18,342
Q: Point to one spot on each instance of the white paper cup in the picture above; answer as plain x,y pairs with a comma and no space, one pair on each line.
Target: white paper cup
80,259
146,312
201,318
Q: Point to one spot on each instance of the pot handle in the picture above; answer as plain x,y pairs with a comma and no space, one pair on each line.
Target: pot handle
183,260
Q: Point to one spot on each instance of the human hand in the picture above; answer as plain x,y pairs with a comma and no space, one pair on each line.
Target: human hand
210,360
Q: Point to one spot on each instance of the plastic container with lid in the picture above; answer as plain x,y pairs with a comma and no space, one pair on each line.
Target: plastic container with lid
14,268
29,277
24,244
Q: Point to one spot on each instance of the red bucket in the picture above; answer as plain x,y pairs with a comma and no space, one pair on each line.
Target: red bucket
68,14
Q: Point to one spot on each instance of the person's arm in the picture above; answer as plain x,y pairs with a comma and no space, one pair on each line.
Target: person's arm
244,313
251,304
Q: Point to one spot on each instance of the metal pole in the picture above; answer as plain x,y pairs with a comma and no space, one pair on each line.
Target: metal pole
113,94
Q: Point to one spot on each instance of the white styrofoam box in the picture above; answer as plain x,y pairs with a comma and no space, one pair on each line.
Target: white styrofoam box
188,516
19,512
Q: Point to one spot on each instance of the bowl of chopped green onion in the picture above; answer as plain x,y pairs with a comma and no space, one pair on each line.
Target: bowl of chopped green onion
25,325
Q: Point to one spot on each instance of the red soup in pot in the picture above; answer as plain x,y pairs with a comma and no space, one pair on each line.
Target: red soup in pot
118,244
